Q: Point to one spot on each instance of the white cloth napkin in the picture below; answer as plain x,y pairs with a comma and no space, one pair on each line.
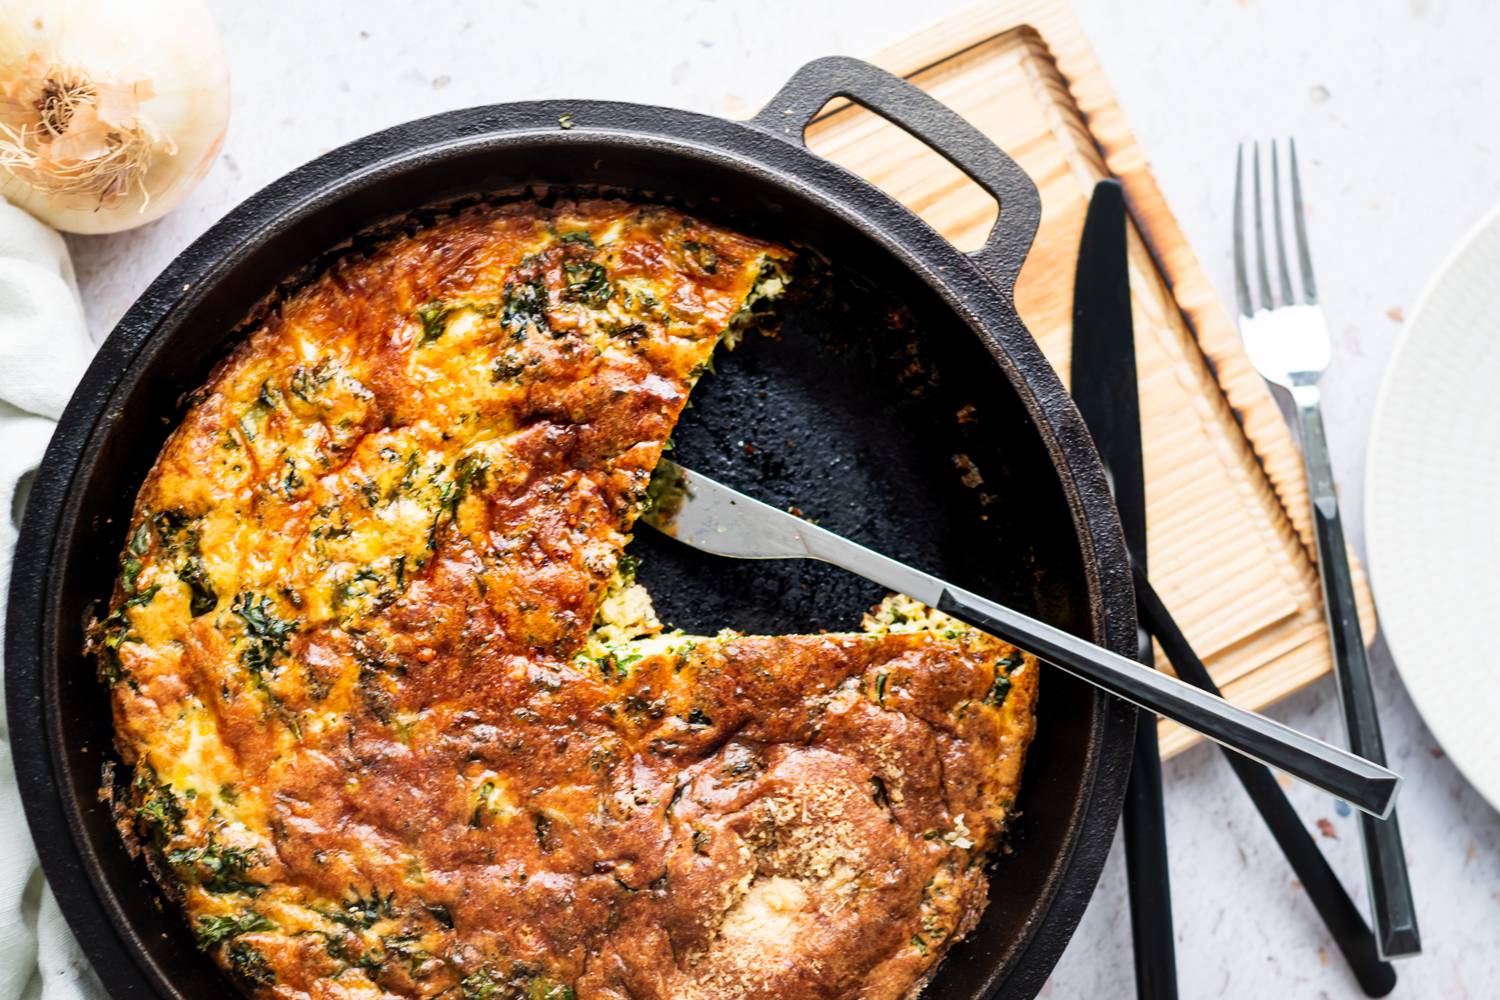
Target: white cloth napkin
44,347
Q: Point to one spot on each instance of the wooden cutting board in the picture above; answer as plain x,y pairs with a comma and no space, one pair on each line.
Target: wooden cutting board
1231,549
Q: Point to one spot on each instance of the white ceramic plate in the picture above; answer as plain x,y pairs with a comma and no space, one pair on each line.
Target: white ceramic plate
1432,506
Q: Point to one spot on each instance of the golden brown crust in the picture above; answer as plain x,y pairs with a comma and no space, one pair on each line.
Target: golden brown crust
371,745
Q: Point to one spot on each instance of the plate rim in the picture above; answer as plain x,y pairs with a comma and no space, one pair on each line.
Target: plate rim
1401,644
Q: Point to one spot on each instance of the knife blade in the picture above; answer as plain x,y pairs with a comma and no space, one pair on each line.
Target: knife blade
1105,389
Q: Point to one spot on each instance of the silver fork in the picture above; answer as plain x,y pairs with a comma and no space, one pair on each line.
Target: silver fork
1287,340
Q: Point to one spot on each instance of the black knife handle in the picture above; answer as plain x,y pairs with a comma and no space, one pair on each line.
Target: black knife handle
1365,785
788,114
1342,918
1146,870
1390,887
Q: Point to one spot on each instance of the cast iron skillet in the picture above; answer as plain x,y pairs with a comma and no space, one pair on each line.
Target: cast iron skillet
853,421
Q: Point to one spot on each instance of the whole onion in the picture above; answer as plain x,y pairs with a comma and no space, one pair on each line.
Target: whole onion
111,111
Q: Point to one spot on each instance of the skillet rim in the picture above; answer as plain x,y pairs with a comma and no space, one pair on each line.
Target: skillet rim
153,322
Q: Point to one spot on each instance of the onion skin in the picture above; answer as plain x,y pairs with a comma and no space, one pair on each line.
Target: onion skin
176,45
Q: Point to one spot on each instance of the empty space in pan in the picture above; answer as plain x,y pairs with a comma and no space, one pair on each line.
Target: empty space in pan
891,430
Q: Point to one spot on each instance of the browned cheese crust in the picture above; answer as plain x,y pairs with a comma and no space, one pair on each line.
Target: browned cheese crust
376,750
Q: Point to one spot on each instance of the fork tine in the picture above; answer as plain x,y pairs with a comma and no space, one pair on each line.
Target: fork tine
1241,281
1287,298
1262,276
1299,220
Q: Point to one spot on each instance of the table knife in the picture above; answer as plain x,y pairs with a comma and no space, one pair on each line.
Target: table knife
1103,381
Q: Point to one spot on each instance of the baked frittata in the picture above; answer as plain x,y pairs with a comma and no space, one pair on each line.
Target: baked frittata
401,724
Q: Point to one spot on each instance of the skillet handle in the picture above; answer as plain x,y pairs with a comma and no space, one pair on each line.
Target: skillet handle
790,112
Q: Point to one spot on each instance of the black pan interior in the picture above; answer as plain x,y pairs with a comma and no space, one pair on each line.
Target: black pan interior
907,436
880,425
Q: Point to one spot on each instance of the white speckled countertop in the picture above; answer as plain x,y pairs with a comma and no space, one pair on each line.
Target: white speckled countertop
1390,104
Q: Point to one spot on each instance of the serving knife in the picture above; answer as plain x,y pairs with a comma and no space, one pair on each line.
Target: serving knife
1104,387
710,516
